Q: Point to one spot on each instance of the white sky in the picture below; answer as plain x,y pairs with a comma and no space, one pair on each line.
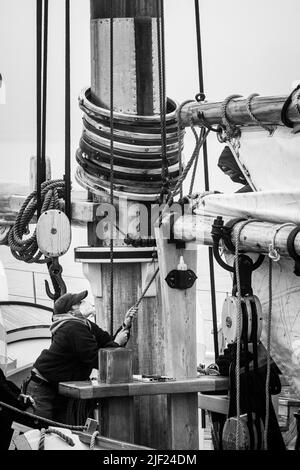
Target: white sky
248,46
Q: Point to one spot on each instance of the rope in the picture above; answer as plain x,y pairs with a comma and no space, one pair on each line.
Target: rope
270,129
63,436
147,287
180,140
93,440
269,324
27,250
238,343
229,128
162,93
44,98
273,253
180,181
41,419
111,167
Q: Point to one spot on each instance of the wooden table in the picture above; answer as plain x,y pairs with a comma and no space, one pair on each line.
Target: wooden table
117,401
86,390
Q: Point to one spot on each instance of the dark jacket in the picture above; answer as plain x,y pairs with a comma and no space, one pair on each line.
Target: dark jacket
73,352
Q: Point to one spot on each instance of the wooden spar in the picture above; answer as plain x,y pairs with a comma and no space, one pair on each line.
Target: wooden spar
265,109
255,236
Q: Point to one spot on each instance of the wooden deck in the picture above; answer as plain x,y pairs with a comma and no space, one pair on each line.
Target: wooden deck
18,316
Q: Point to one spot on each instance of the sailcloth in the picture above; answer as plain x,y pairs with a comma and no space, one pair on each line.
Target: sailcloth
273,163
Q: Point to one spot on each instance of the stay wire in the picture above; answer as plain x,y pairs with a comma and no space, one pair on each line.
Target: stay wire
39,19
111,169
162,91
206,184
67,176
44,97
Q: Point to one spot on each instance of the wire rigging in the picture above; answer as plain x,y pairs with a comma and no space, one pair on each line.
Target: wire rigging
67,176
206,183
111,168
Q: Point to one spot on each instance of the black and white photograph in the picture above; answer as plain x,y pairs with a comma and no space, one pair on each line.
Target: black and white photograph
149,229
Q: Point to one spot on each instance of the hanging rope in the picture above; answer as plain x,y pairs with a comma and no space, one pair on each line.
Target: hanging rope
60,434
239,313
43,420
27,249
207,186
180,181
111,167
67,176
268,376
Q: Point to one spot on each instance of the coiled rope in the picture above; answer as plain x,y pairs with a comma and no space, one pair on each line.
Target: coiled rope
41,419
60,434
27,249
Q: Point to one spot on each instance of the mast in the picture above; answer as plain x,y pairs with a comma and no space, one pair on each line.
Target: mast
163,340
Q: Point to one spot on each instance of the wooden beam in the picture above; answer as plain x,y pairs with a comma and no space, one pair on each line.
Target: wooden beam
265,109
255,237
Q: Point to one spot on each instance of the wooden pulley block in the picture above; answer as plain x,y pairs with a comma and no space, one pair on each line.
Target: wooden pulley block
53,233
230,316
250,300
229,320
229,434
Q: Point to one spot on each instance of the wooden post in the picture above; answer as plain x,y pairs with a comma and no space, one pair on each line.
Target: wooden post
116,414
179,326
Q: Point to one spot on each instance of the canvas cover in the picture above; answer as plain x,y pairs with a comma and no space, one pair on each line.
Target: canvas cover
274,166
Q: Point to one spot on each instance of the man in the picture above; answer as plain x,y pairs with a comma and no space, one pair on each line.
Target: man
72,355
229,166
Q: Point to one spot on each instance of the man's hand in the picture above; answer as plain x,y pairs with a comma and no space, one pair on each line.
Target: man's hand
122,337
26,400
130,316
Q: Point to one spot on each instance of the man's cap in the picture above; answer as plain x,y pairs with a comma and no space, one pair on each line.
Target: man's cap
64,303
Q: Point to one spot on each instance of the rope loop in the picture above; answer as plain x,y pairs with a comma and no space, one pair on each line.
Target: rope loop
270,129
273,252
231,130
60,434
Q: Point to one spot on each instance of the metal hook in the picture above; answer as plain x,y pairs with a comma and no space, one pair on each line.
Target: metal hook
55,271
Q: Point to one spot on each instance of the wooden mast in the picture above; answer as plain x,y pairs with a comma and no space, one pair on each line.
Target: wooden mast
136,91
